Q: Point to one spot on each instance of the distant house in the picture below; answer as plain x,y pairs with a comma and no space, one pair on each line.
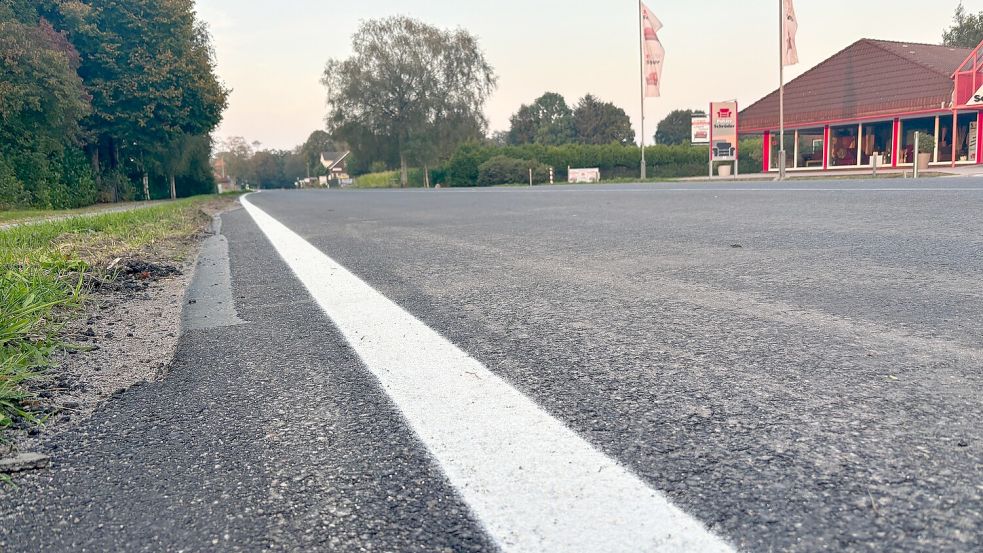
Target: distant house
223,182
334,162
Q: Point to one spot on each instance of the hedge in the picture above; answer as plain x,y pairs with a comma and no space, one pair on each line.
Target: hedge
507,170
614,160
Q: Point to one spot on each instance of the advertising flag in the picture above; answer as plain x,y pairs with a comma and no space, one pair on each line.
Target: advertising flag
653,53
790,52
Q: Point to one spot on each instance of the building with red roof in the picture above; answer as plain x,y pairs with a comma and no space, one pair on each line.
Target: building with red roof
865,104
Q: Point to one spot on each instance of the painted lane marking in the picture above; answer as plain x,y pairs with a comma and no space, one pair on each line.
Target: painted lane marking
534,484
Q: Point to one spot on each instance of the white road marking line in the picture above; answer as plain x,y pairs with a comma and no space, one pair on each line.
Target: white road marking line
534,484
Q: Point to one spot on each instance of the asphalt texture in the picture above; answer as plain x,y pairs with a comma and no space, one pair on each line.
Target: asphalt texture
798,366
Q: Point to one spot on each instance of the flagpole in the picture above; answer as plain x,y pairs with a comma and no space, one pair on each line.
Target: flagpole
781,89
641,51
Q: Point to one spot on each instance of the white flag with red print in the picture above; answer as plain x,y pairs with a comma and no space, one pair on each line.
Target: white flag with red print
653,53
790,52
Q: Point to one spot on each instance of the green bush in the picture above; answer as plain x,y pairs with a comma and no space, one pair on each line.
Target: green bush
462,168
385,179
507,170
12,193
926,143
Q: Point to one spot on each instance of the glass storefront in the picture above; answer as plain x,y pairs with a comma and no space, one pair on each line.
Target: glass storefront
789,149
963,138
843,146
859,144
925,126
809,149
876,141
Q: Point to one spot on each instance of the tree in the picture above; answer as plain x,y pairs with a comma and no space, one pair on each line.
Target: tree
676,128
149,67
42,101
966,30
235,153
548,120
597,122
408,84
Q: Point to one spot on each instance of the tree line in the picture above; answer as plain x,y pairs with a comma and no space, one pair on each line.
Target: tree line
250,165
102,100
412,94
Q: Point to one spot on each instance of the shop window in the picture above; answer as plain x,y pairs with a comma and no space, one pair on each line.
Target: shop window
964,137
925,126
789,149
876,141
843,146
810,149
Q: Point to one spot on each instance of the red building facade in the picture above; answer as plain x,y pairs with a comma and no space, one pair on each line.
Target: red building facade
865,104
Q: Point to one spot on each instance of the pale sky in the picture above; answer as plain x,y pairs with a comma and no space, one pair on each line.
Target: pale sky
272,54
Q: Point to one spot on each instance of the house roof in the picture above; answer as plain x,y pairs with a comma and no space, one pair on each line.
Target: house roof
868,79
330,160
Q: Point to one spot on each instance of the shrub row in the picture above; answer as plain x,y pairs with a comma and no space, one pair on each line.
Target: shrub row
507,170
465,168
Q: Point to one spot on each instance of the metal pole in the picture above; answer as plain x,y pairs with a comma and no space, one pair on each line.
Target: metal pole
641,50
915,172
781,90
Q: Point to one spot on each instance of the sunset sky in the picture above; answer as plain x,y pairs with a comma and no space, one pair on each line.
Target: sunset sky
272,56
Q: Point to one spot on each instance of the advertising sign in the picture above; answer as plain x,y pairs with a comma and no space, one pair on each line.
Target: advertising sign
723,131
582,176
700,130
972,141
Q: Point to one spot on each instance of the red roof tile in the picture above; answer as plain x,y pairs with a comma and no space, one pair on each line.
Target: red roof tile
870,78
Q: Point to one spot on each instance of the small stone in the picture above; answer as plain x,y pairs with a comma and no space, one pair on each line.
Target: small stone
24,462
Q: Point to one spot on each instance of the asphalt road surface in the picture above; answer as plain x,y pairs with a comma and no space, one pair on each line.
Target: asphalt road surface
762,367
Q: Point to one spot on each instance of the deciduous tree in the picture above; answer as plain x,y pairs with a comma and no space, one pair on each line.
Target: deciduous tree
676,128
42,101
966,30
407,84
548,120
597,122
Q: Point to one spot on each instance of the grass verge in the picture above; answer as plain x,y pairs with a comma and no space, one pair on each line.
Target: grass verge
43,268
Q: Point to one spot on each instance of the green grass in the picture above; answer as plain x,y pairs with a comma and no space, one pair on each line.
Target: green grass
15,216
388,179
42,268
7,216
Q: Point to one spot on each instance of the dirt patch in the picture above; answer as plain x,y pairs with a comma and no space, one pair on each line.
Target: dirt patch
128,337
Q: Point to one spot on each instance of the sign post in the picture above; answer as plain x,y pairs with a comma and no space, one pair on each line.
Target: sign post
723,134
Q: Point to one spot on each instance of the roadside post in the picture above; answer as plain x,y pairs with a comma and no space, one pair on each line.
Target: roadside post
915,156
551,176
530,176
